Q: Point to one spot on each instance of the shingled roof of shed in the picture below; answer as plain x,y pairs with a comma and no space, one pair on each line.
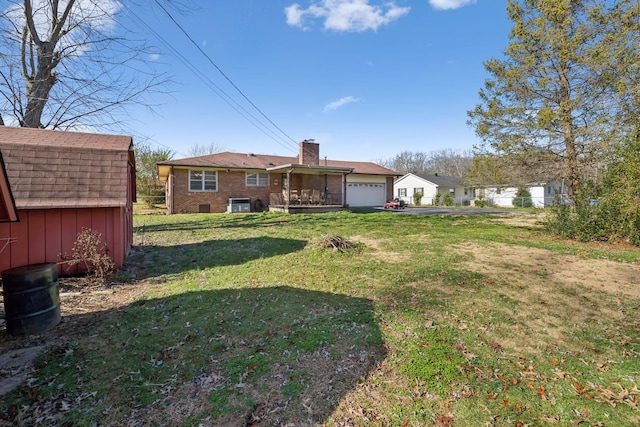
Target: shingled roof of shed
56,169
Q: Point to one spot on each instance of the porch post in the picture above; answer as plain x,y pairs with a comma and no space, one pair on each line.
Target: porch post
344,189
288,187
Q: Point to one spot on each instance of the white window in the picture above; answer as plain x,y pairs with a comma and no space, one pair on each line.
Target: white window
257,179
402,192
203,180
419,190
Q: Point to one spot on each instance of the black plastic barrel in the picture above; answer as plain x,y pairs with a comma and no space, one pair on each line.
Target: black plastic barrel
31,298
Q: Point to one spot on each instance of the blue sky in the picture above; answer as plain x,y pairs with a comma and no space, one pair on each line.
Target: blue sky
367,79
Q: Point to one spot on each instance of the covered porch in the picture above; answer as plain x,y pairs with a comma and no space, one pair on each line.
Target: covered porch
310,189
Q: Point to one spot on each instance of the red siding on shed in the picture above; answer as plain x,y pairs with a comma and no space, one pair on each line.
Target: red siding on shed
18,254
43,235
37,237
53,219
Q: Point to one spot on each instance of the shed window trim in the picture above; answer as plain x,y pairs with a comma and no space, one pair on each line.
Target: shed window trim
257,179
203,181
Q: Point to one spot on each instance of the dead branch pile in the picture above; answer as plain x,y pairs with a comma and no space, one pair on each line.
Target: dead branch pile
336,243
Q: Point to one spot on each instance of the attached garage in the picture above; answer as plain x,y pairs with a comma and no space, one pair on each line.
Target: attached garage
366,191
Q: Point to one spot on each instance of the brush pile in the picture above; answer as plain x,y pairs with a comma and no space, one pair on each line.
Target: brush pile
336,243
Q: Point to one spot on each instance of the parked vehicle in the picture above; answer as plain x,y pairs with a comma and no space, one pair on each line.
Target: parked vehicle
395,204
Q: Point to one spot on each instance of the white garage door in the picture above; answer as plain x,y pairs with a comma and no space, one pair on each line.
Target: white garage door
366,194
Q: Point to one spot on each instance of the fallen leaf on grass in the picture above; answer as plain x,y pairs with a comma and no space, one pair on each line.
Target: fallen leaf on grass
496,346
580,389
444,420
625,396
542,393
561,374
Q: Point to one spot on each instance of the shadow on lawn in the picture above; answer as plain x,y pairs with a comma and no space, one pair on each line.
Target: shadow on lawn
212,221
150,261
241,357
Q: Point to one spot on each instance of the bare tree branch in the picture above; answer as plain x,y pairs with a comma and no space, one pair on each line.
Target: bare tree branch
75,69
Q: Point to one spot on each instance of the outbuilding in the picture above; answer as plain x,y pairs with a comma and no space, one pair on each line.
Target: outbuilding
62,183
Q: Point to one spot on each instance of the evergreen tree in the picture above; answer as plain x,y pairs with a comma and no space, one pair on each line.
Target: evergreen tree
557,95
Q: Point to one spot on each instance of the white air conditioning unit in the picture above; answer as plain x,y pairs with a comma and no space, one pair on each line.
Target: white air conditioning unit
239,205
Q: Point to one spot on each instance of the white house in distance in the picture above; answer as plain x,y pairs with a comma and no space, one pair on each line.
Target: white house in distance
542,194
430,186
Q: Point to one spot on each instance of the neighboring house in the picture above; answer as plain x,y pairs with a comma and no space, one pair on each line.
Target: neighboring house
542,194
238,182
431,187
63,182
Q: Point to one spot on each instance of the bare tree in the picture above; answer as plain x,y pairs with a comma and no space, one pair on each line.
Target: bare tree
202,150
443,162
67,64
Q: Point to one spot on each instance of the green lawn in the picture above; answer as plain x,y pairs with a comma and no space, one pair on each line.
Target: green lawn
246,320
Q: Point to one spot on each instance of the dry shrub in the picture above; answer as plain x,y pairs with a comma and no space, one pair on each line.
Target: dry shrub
90,255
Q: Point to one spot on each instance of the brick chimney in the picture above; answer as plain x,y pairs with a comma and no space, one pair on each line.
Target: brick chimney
309,153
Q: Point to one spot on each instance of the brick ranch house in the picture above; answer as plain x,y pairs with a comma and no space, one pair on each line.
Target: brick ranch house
63,182
237,182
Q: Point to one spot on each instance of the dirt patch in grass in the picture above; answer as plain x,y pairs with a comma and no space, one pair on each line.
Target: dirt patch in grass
523,219
84,304
546,294
529,265
82,310
379,249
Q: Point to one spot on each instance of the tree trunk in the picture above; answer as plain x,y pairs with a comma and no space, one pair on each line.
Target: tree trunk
39,83
38,90
566,117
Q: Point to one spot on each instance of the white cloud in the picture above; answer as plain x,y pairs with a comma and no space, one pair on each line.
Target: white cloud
450,4
294,15
339,103
345,15
154,57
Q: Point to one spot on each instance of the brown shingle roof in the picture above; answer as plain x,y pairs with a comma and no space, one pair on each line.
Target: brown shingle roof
55,169
230,160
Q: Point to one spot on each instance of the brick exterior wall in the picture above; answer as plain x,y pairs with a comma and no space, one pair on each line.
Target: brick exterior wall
230,184
389,188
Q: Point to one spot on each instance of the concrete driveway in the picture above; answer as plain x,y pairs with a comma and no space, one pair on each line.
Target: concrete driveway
444,210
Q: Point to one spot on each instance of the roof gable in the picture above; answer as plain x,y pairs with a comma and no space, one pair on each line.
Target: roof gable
56,169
